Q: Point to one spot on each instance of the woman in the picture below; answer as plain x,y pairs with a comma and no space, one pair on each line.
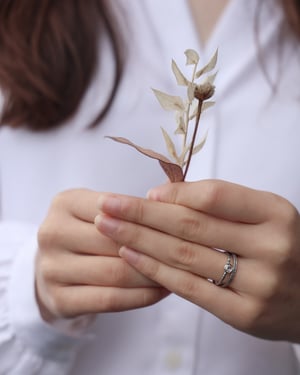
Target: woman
67,296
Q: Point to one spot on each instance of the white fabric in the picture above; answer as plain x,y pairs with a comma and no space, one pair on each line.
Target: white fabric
253,139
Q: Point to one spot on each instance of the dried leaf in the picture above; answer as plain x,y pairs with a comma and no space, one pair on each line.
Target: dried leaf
191,91
170,145
180,123
210,78
169,102
192,57
182,161
200,145
180,78
179,131
172,170
209,66
207,105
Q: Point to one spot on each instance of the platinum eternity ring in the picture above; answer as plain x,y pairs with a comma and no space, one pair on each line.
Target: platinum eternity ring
229,271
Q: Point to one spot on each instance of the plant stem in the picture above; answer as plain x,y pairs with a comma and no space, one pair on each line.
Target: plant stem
200,102
188,110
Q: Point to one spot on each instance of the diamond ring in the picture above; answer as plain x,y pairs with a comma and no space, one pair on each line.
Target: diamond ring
229,271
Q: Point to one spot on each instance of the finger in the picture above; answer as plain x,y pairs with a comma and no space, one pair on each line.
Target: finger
81,203
93,270
77,236
178,221
222,302
219,198
71,301
168,249
185,255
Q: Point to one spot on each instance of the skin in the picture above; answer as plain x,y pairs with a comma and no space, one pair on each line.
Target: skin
78,270
171,238
206,15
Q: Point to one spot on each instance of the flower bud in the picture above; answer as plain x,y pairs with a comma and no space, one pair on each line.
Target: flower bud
204,91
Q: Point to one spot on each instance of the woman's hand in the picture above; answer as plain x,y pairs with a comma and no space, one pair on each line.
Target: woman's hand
78,270
175,234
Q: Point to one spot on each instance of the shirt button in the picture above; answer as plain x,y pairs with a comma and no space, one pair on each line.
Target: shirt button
173,360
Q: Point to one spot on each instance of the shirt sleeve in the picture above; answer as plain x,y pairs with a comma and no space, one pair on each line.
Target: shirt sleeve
28,345
297,351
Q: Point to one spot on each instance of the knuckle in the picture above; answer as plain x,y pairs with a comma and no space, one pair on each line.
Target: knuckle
140,210
184,254
280,248
288,213
46,269
67,198
212,195
188,288
271,286
60,199
252,316
150,296
59,305
50,234
45,236
109,301
174,194
131,238
119,274
136,210
152,271
189,227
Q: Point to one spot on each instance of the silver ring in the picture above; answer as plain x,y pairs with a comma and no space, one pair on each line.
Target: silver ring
229,271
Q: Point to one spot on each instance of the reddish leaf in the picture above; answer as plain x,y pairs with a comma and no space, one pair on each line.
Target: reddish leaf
172,170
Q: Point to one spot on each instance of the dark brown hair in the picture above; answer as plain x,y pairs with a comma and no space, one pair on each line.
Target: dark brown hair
292,11
49,52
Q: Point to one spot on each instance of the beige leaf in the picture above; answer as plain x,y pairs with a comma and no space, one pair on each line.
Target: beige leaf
172,170
192,57
180,123
209,66
191,91
183,155
200,145
179,131
194,110
180,78
169,102
207,105
210,78
170,145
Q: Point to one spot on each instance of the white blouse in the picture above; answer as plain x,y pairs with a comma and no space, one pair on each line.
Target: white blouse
253,139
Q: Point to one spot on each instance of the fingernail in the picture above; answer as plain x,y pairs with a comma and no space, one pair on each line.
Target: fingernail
109,204
153,194
131,256
107,225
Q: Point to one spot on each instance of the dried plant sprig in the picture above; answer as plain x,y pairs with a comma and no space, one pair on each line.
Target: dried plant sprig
186,109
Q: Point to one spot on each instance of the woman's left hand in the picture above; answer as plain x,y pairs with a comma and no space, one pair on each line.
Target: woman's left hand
175,234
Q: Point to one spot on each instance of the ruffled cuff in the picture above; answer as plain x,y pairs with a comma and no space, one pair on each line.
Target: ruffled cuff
26,341
297,351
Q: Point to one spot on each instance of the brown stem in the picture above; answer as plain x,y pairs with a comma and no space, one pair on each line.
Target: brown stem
200,102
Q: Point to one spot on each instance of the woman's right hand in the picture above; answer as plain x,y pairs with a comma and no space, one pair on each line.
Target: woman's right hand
78,270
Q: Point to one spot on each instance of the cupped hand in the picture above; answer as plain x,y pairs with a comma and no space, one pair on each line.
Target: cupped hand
78,270
176,236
